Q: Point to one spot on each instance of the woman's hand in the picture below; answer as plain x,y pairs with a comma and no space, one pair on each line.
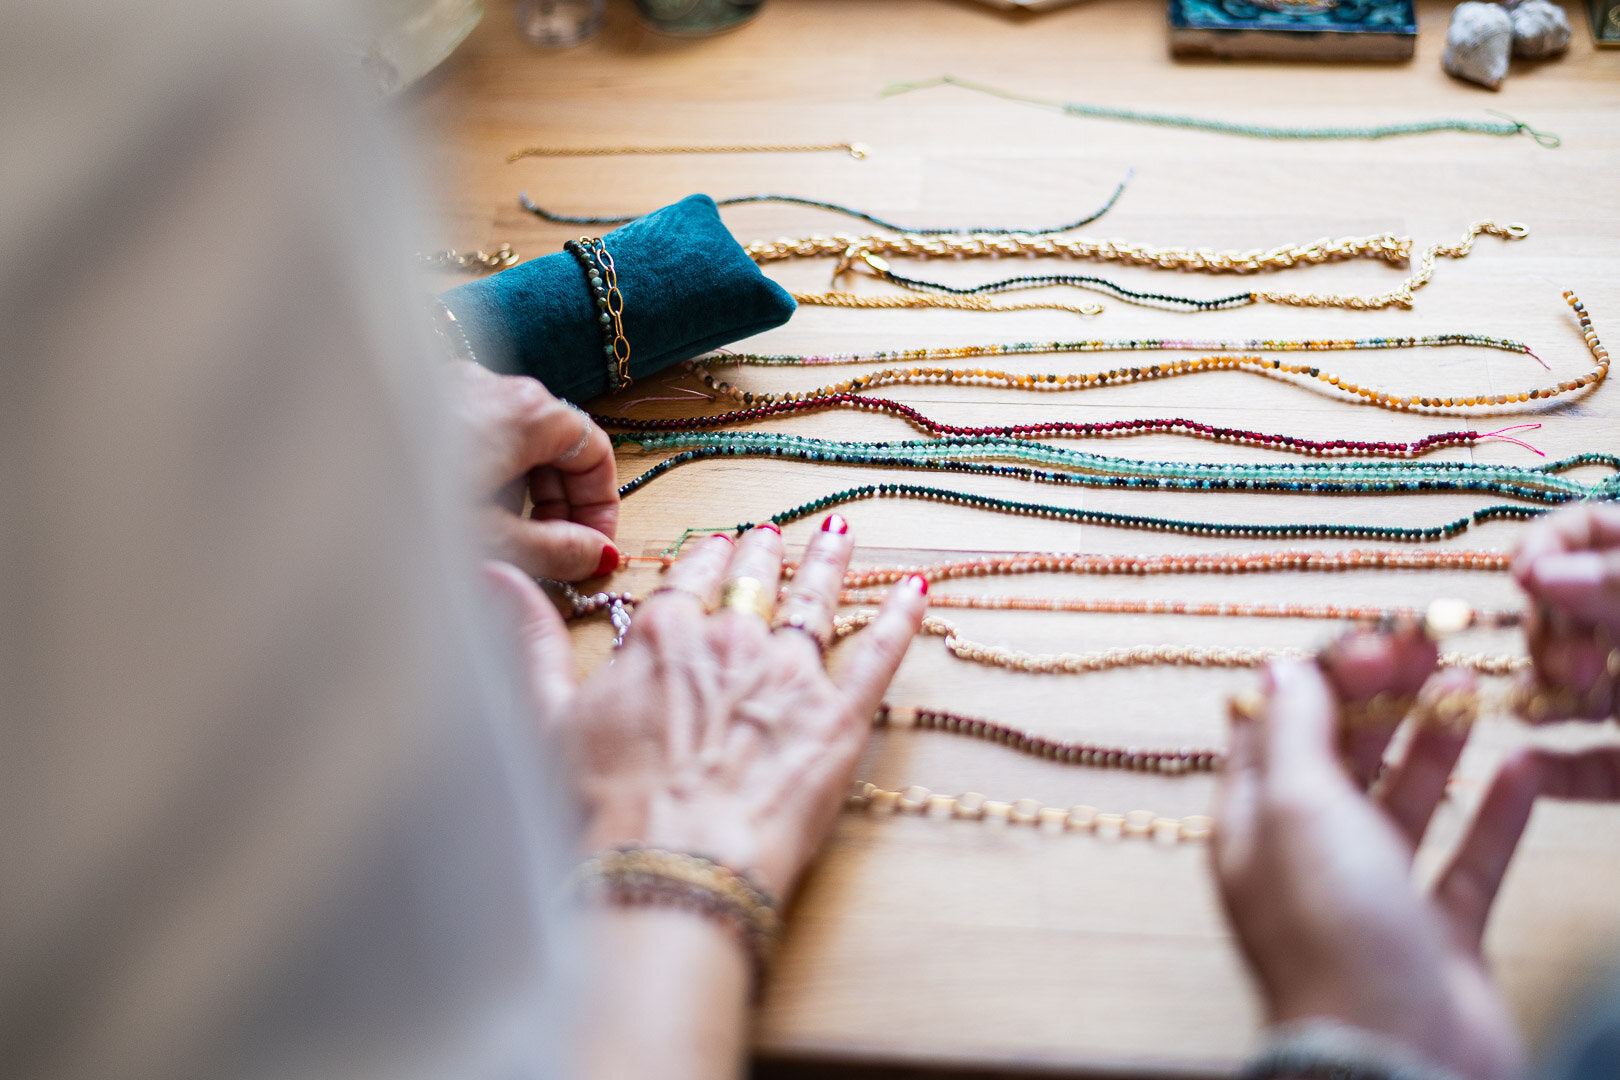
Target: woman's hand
1569,564
710,733
1316,874
526,445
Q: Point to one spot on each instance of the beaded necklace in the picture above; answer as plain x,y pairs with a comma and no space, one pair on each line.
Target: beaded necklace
1243,562
836,208
1071,428
881,269
964,453
1171,761
1255,562
1050,382
1397,251
1506,127
1078,516
1105,345
1223,609
1201,656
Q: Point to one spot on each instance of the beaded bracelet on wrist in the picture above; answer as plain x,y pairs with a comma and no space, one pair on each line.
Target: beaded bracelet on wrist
638,876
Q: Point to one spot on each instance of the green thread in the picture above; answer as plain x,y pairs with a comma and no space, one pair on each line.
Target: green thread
1508,125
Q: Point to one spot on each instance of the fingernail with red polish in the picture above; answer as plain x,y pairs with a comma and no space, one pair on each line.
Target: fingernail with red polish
770,526
918,582
608,562
835,523
722,536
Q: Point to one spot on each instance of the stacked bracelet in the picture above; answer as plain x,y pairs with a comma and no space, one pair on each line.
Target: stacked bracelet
603,279
1321,1049
630,874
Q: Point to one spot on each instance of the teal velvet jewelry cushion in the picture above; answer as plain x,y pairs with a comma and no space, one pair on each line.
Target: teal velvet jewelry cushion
688,287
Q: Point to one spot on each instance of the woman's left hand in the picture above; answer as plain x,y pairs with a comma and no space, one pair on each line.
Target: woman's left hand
528,446
711,732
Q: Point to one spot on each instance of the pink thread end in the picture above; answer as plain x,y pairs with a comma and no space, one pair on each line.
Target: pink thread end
1500,433
1531,353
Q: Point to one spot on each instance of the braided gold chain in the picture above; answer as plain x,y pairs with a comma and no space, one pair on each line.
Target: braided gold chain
1386,247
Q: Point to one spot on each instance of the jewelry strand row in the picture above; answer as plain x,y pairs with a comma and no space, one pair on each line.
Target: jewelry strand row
1199,656
1540,483
1070,428
1385,247
1054,382
1079,516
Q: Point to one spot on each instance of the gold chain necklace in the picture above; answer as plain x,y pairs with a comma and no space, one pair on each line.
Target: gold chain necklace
1386,247
972,806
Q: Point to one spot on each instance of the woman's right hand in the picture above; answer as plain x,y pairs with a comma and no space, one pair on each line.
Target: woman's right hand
1569,564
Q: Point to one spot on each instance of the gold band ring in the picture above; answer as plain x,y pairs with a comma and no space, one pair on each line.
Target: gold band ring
748,595
685,590
804,625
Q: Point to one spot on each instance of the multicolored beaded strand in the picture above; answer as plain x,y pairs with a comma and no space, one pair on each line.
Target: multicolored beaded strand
1074,429
1055,382
1102,345
1540,483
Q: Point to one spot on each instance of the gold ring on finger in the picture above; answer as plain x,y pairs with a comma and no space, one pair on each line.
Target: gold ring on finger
748,595
687,590
803,624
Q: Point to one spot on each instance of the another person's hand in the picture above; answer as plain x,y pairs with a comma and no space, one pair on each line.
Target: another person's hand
526,445
1316,874
1569,564
710,733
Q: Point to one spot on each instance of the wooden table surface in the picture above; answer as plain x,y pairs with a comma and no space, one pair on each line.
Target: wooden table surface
929,941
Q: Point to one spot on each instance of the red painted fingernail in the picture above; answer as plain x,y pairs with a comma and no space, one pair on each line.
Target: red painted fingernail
771,525
918,582
722,536
835,523
609,561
